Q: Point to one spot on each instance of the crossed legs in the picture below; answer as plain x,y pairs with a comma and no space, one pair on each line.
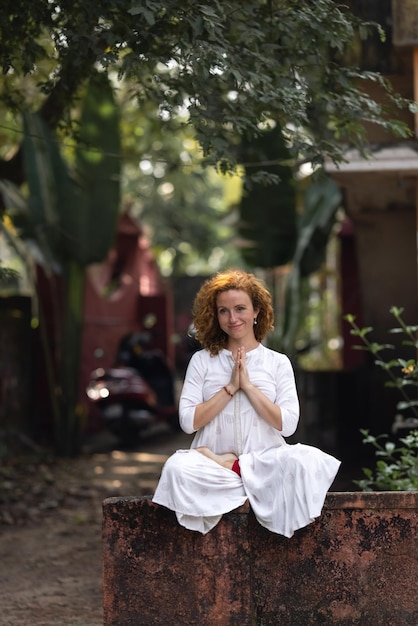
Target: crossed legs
226,460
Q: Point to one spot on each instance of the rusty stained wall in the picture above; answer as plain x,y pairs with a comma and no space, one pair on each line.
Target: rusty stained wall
356,565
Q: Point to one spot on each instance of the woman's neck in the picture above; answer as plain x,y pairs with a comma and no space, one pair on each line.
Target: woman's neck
250,345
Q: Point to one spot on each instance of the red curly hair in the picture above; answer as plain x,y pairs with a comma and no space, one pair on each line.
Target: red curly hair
208,332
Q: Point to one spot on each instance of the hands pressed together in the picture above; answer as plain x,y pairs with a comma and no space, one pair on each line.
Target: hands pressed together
266,409
239,378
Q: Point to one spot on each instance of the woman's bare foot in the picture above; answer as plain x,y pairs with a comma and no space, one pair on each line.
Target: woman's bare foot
226,460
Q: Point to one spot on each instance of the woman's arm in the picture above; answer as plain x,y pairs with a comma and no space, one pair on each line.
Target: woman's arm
206,411
283,413
264,407
193,410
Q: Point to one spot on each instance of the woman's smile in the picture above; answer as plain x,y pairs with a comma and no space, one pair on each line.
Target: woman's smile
236,314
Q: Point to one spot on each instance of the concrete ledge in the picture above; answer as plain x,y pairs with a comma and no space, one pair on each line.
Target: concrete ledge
356,565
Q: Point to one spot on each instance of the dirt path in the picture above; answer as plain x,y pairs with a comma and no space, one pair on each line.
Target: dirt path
50,548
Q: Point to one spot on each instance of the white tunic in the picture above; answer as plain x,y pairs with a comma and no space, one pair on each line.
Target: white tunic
285,484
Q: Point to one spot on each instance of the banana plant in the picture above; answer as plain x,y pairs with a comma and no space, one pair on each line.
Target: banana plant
275,233
268,220
321,201
73,218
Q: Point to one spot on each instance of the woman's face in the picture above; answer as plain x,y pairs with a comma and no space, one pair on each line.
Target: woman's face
236,314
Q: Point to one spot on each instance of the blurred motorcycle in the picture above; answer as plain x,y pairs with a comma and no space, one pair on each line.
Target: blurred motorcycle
137,393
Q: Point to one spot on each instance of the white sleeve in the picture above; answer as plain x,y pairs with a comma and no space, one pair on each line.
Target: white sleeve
287,397
192,392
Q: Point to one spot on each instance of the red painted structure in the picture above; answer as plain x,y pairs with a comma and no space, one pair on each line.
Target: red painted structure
125,293
121,296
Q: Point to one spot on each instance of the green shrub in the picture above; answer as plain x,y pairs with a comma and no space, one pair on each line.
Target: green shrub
397,463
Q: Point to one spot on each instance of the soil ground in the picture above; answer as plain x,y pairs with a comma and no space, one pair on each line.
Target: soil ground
50,527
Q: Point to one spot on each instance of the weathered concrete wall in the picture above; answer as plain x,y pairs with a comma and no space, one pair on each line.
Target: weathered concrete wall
356,565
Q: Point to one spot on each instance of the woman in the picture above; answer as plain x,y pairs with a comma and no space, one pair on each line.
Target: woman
240,399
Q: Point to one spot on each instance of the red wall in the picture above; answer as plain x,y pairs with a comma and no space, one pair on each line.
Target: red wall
119,294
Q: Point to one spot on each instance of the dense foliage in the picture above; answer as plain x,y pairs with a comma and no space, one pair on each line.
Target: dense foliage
234,66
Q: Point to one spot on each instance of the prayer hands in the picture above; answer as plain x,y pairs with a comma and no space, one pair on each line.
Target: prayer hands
240,378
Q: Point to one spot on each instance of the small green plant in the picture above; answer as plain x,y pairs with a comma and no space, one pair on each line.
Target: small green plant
397,463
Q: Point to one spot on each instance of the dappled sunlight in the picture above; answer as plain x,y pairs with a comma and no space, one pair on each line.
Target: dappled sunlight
133,472
129,470
143,457
148,485
125,473
139,457
112,484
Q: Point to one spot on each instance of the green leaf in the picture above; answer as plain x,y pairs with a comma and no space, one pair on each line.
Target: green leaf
51,191
273,204
91,224
39,158
396,311
322,199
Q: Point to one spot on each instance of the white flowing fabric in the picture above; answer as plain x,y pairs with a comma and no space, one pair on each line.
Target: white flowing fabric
285,484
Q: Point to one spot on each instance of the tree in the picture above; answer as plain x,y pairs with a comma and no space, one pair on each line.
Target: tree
226,69
232,65
69,219
230,68
186,209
